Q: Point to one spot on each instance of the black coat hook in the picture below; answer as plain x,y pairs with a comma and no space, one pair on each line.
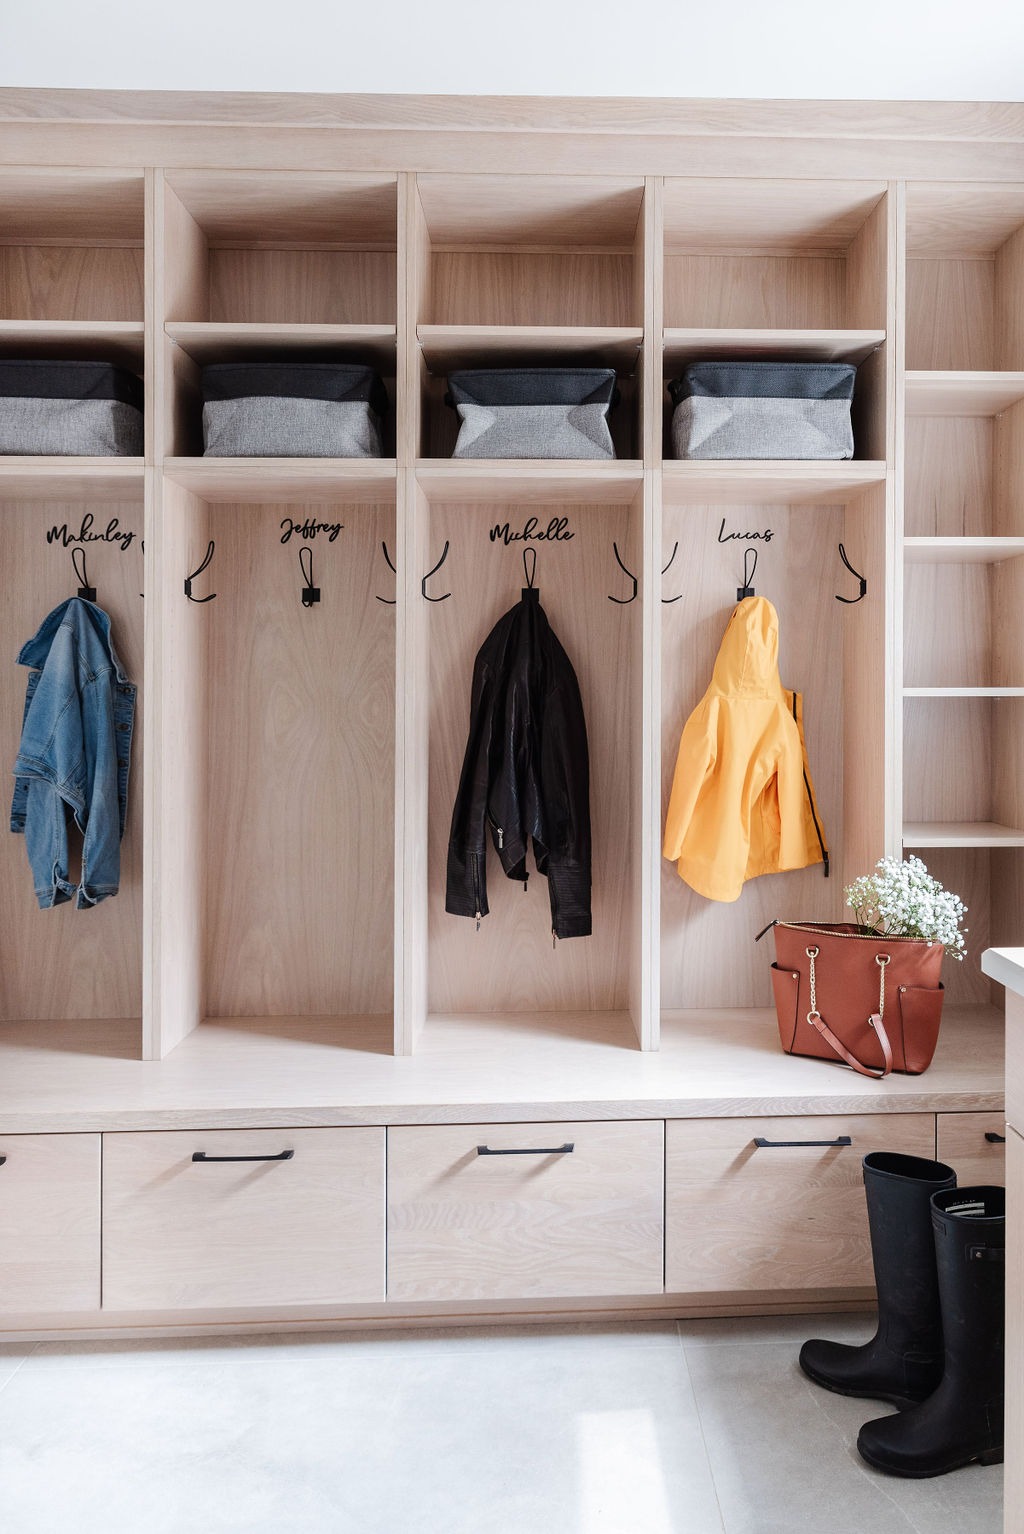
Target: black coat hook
86,592
423,582
664,571
310,593
623,601
747,589
530,574
389,600
852,601
190,578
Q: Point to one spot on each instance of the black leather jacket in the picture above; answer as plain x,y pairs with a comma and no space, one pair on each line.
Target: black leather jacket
526,772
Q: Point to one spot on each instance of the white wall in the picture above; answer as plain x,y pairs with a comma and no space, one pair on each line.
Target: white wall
876,49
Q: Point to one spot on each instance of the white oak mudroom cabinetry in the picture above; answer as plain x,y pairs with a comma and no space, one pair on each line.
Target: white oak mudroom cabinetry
278,972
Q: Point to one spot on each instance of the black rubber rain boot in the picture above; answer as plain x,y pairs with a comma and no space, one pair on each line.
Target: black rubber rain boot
903,1361
963,1420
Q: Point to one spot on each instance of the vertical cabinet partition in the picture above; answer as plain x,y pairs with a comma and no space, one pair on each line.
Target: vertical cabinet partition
303,756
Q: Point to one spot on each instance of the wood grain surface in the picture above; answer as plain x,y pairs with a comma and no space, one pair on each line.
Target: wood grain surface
466,1226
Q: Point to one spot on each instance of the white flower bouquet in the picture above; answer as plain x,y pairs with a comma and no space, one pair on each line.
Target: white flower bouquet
901,899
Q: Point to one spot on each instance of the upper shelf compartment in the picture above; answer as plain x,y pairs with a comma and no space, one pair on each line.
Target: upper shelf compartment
277,248
778,255
71,251
965,277
528,251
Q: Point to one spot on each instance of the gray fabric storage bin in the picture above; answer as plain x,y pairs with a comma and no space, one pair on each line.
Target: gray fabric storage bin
533,412
763,410
70,409
292,410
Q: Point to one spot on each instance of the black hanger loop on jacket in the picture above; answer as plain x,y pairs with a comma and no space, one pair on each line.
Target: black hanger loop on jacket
664,570
749,566
852,601
423,582
390,601
85,591
310,593
190,578
530,592
623,601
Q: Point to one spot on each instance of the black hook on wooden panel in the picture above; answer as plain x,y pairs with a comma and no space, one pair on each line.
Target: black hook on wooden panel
85,591
623,601
190,578
664,571
530,592
310,593
852,601
423,582
749,566
389,600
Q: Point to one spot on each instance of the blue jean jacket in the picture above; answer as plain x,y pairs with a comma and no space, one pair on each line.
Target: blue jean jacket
75,752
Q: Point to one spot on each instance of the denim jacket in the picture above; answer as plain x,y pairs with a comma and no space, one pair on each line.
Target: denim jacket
75,753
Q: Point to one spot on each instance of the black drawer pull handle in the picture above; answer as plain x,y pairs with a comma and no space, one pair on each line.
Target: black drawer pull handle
993,1138
281,1156
763,1144
2,1160
528,1150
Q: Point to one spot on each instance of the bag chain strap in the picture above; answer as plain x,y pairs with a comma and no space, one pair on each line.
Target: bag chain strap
817,1022
881,959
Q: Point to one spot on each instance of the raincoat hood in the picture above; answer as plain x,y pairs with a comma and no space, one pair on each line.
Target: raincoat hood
748,657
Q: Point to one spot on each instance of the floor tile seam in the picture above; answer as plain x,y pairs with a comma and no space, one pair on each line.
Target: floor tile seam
18,1368
700,1428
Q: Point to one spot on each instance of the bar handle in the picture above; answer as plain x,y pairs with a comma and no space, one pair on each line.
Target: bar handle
2,1160
529,1150
285,1155
763,1144
993,1138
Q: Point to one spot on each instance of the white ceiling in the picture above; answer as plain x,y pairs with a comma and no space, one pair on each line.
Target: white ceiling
953,50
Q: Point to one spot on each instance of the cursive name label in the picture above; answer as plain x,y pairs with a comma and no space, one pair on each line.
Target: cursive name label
724,537
309,529
557,531
112,533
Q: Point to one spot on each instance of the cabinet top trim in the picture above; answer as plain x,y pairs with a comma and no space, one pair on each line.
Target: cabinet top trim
643,116
820,140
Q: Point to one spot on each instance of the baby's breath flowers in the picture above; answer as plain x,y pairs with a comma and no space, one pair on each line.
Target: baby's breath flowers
901,899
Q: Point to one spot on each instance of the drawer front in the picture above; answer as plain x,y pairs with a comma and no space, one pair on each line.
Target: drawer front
782,1217
186,1234
49,1223
537,1222
961,1142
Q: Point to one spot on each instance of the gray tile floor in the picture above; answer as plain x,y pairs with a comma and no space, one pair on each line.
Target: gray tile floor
659,1428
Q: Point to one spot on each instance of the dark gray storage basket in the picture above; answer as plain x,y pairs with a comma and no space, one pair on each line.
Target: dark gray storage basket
292,410
533,412
70,409
763,410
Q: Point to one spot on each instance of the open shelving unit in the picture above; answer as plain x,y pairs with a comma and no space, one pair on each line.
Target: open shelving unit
279,955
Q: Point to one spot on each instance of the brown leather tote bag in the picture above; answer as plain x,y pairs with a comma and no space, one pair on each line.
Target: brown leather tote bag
843,994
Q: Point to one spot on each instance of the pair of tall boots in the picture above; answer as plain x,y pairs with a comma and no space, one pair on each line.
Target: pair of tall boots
939,1259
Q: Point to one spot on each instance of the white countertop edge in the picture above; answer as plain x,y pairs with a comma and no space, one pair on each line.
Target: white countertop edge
1005,965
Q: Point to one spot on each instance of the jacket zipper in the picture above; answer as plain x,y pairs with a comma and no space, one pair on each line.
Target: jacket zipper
476,888
810,801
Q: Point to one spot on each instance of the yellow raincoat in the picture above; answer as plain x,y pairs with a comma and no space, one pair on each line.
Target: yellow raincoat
742,803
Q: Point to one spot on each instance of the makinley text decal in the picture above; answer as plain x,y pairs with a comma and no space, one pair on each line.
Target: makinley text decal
309,529
724,537
557,531
112,533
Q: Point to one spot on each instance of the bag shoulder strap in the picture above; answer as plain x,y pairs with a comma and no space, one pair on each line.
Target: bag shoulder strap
818,1022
